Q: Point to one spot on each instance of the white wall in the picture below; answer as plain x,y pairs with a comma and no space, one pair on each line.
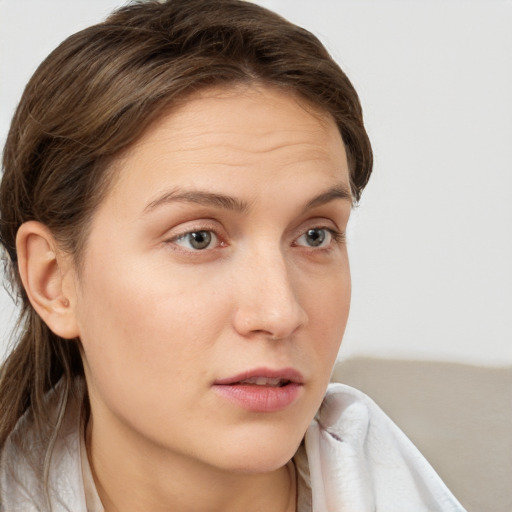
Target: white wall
431,242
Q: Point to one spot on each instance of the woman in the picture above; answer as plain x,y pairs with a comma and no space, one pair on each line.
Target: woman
177,185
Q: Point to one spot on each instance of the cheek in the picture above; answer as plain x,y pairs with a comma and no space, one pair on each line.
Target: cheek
327,289
148,323
329,307
142,340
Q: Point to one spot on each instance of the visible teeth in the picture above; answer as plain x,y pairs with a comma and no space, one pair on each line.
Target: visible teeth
261,381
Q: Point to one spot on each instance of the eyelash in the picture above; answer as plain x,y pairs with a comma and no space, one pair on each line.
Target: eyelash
336,236
188,233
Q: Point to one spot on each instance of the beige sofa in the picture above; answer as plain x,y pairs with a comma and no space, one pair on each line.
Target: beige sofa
459,416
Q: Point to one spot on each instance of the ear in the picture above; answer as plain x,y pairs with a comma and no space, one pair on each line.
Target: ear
48,276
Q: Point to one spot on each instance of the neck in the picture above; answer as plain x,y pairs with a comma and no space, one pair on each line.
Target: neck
130,476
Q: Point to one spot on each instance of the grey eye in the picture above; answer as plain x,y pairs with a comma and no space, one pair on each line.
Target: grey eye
315,237
200,239
197,240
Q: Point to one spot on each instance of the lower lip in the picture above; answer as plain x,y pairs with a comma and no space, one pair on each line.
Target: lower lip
260,398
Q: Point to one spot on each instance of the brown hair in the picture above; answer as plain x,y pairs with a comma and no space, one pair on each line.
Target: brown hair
95,95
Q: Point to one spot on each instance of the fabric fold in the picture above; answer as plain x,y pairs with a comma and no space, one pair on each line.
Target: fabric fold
360,461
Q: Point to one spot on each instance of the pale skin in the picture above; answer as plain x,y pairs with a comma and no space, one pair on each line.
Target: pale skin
162,315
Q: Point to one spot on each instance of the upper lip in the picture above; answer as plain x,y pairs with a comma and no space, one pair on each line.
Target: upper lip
287,374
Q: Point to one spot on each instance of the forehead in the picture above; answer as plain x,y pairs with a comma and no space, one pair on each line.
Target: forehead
263,114
239,135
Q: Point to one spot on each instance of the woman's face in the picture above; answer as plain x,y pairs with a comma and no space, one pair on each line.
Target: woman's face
215,284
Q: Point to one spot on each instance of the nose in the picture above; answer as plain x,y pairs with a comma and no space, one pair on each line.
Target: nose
266,298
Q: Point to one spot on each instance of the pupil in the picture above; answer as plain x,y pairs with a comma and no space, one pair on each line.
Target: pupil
315,237
200,239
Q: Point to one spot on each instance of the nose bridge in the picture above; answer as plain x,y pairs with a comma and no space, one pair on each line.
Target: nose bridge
268,300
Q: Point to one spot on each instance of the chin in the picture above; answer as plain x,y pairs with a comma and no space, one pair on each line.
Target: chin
261,464
260,452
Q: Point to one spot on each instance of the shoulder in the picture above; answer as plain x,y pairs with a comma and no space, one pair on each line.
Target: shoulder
40,465
357,456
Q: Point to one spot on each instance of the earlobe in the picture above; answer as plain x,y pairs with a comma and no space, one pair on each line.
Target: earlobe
45,272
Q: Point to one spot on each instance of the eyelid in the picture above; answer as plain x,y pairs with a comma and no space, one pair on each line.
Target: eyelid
319,222
186,228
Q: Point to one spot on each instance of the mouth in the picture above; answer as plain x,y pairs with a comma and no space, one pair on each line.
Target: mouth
263,381
262,389
264,377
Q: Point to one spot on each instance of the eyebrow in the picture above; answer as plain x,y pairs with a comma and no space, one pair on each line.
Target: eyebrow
239,205
200,197
337,192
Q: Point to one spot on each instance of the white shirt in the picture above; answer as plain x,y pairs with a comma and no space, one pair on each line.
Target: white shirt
353,459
